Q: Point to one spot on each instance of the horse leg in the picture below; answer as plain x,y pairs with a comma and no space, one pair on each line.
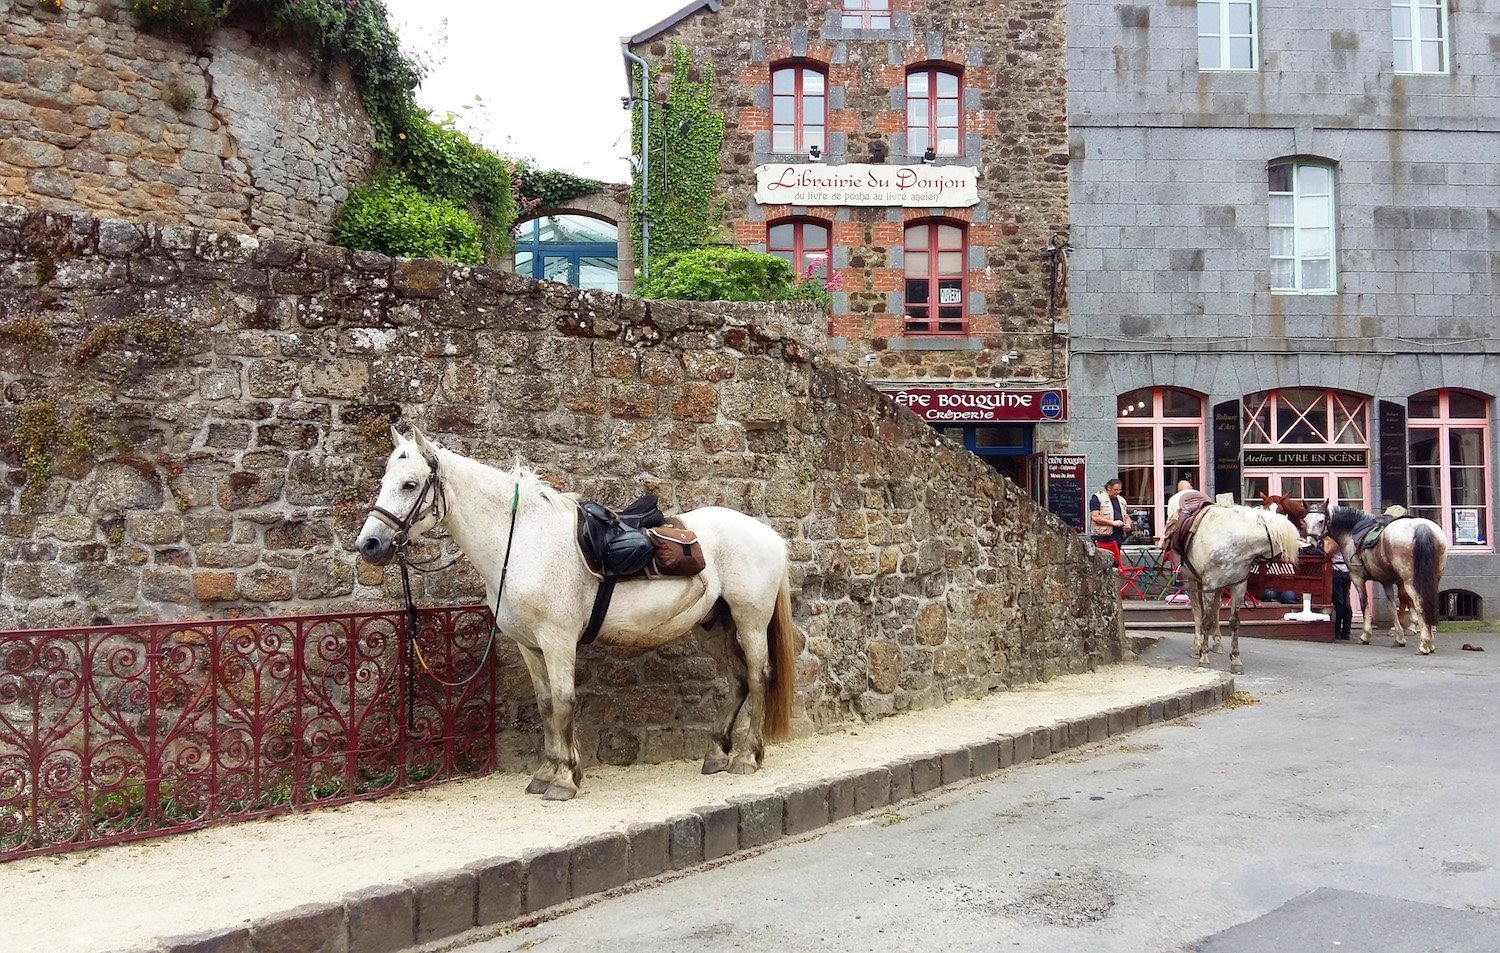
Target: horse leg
1364,610
1200,625
1236,599
732,662
536,667
747,742
562,745
1400,599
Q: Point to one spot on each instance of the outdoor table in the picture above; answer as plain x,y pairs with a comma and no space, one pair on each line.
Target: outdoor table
1156,572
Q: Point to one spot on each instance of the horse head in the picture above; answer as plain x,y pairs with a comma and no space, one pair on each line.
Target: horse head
1290,507
1317,521
410,501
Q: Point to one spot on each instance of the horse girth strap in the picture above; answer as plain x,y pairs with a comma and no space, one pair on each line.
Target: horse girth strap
600,610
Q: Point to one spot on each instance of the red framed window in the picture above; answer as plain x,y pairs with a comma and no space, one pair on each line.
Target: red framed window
936,279
803,243
1448,453
867,14
933,117
799,108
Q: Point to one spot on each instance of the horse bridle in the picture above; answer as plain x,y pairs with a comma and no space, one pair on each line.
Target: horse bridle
403,525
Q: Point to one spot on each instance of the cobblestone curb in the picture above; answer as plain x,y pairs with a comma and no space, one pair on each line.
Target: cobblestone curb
392,918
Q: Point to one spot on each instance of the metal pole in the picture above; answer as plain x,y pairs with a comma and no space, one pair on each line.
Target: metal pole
645,156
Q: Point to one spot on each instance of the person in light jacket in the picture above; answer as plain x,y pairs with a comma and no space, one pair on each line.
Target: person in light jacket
1109,522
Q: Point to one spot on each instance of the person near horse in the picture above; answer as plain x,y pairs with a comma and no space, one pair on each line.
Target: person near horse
1343,616
1109,519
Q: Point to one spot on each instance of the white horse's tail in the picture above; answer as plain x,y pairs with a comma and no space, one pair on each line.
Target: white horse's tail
783,687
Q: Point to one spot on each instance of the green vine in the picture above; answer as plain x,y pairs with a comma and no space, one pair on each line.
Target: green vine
685,139
549,189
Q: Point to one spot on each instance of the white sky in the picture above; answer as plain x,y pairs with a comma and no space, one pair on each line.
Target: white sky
548,75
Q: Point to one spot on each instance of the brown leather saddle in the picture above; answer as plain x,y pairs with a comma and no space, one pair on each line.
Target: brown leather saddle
1179,529
634,543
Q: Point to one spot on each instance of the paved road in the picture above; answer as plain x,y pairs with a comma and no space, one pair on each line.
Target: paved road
1354,808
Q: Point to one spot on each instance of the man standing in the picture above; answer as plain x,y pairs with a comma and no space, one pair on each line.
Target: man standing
1108,519
1342,614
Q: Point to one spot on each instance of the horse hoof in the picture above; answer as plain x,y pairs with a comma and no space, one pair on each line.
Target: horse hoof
557,792
1425,651
537,786
713,767
1237,668
1203,663
743,767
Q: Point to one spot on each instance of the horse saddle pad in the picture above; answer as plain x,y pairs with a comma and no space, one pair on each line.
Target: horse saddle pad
1367,532
1179,528
636,541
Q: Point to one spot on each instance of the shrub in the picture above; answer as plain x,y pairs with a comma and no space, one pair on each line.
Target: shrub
396,219
719,274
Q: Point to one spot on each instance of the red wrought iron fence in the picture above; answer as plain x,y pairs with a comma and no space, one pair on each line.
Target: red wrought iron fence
115,733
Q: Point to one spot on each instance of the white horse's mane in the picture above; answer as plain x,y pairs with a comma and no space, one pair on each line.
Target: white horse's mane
526,476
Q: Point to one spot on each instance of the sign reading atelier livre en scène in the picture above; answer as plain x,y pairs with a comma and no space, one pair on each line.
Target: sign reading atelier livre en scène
945,186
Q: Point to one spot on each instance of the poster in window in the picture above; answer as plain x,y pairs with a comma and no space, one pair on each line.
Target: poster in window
950,296
1466,526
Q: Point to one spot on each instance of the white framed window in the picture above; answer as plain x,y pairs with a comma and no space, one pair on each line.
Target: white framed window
1226,35
1302,232
1419,35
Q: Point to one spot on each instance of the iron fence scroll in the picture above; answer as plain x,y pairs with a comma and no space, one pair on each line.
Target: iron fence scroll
114,733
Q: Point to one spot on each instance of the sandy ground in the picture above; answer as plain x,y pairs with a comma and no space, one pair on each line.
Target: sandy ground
125,896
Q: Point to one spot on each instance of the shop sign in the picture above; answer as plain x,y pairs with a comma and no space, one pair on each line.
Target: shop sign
946,405
1307,458
911,186
1065,488
1227,447
1392,418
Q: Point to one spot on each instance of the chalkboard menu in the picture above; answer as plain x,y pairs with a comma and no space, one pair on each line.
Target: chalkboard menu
1227,448
1065,489
1392,454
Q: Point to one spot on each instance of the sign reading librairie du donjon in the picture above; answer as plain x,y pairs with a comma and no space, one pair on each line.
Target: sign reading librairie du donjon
911,186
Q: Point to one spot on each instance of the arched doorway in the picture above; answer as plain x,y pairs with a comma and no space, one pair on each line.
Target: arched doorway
572,249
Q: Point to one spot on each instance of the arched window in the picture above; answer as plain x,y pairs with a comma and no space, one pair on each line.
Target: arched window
1448,441
867,14
1302,227
572,249
799,108
1160,441
934,118
936,278
803,243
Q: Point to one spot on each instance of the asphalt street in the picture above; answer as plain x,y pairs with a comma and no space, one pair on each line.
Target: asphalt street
1351,806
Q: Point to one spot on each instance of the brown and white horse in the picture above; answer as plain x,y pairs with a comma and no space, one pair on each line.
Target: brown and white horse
543,595
1409,558
1293,508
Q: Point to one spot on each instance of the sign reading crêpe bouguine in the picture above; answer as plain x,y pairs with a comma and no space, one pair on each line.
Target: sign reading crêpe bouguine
946,186
945,405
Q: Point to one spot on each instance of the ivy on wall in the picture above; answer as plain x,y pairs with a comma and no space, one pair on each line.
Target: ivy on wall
427,171
685,139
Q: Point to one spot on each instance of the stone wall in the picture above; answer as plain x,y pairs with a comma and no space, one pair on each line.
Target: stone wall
1012,57
218,456
97,116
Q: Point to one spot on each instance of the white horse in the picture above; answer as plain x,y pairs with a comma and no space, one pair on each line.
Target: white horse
1227,541
544,598
1408,560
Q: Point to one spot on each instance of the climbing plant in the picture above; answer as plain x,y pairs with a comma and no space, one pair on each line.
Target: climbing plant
419,156
684,141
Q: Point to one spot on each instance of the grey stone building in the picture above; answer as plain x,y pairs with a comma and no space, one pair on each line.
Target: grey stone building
1285,223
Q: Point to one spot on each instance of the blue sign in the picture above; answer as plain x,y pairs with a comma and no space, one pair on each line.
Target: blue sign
1052,405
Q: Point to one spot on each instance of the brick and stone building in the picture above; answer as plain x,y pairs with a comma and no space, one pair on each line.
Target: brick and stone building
1286,236
917,149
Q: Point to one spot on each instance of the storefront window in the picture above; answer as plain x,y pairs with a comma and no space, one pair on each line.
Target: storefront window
1308,444
1160,442
802,243
935,279
1448,438
571,249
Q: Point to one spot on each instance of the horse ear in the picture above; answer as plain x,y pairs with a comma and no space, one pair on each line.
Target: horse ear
396,438
418,438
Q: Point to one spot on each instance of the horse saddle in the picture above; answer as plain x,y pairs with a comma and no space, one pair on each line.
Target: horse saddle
1179,529
1367,532
635,542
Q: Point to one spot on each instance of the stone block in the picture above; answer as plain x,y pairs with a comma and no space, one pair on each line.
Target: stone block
1118,721
761,817
1096,728
926,773
445,904
841,797
218,941
381,919
310,928
546,878
721,830
1021,748
955,766
685,840
872,789
1057,737
650,850
1041,742
599,863
499,890
1158,709
984,757
901,781
805,807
